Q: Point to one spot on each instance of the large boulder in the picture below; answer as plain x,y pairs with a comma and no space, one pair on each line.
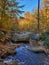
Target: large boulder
35,37
37,49
21,36
34,40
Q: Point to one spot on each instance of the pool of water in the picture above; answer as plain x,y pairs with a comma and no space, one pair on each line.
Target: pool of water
27,57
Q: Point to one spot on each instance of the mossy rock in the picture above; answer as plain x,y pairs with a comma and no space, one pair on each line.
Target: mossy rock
1,63
14,63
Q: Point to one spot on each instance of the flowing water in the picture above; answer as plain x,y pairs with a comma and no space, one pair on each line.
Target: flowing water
27,57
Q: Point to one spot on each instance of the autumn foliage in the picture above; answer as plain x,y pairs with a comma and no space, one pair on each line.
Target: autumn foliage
30,20
9,17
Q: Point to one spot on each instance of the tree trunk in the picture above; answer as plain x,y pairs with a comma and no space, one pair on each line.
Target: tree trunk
38,16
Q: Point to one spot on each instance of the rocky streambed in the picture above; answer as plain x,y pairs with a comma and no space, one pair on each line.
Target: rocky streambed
27,57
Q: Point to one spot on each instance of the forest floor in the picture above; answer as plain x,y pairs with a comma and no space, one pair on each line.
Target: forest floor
7,49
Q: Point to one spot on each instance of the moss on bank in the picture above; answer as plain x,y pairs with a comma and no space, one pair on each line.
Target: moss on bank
14,63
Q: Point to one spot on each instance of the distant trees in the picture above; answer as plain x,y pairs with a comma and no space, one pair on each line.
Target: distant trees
30,22
45,4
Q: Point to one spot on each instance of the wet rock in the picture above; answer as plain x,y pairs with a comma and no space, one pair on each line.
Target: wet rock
34,43
37,48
